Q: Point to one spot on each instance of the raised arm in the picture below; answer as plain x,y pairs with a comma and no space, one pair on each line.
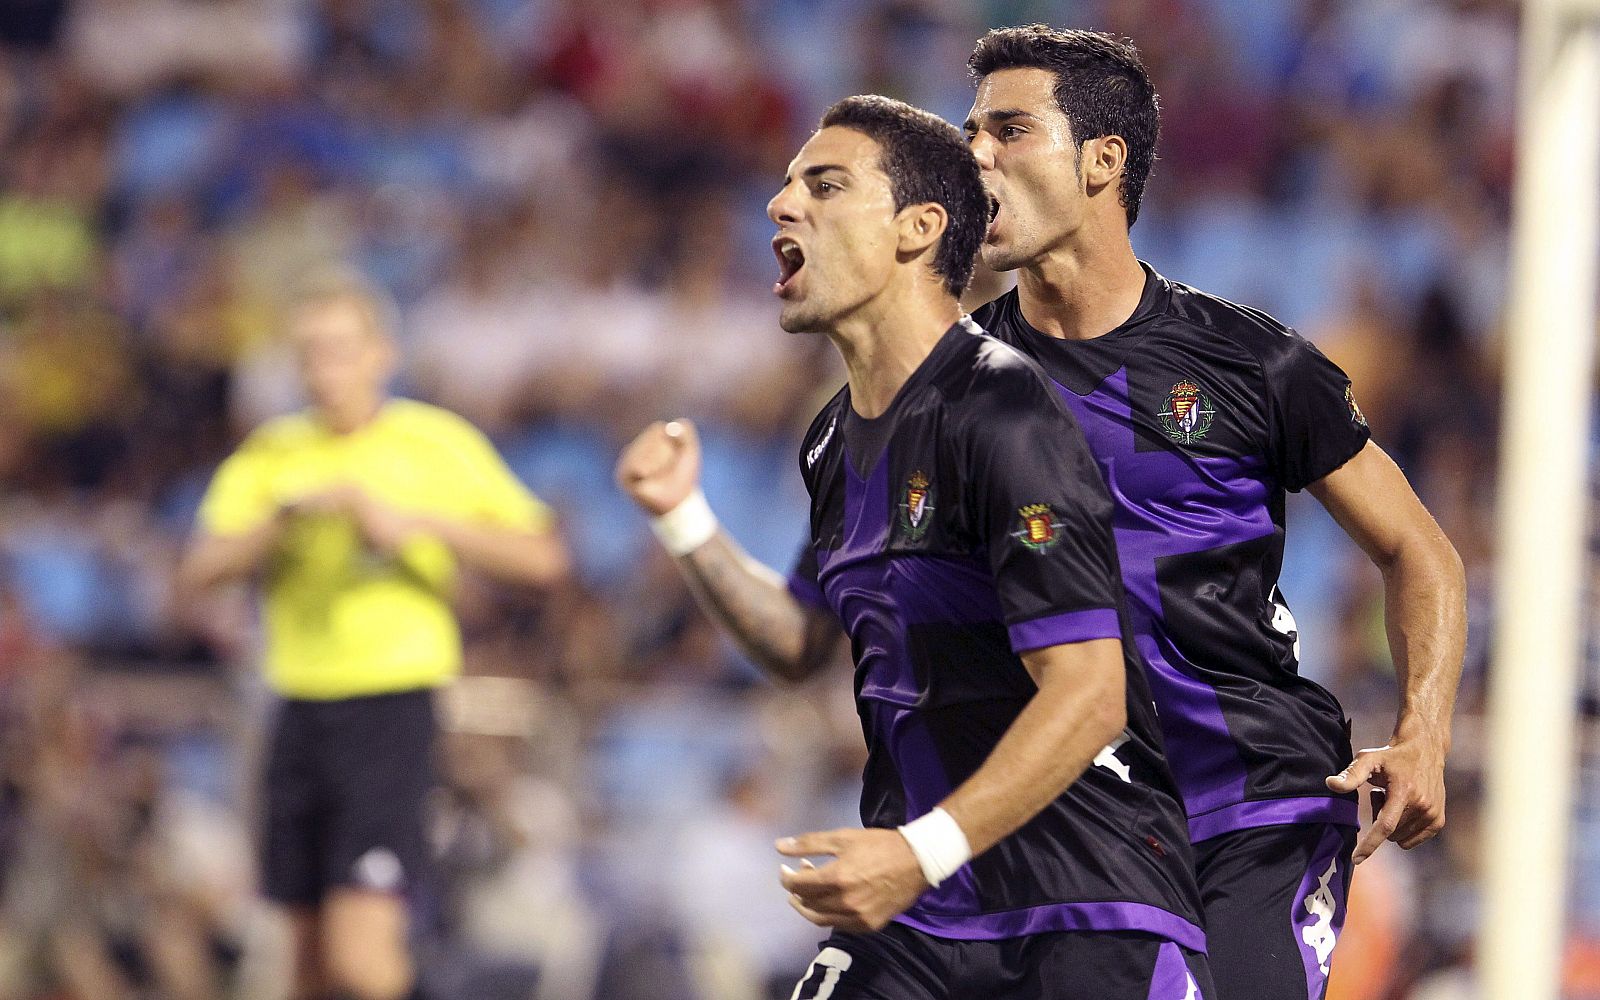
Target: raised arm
1426,617
660,470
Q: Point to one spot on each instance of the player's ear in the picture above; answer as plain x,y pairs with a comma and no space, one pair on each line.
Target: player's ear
1103,160
920,226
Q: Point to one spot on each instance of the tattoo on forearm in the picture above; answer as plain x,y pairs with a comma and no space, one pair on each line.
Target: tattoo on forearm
751,602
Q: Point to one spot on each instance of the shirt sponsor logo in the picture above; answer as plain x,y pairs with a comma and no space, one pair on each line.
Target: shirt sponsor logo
1189,412
917,506
1039,530
816,450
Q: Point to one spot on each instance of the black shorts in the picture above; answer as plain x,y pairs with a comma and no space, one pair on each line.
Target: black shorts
899,963
1274,901
346,786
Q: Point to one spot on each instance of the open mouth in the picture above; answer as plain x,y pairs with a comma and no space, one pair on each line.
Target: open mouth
994,213
791,258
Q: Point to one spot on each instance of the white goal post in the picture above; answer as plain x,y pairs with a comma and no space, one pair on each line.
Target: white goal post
1541,536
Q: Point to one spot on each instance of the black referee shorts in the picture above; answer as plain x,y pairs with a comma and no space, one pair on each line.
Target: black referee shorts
346,786
899,963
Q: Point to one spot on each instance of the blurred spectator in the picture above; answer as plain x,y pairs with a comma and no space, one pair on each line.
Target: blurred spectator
508,848
116,881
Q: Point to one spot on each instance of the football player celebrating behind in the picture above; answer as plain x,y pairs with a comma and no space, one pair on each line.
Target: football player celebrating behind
1201,414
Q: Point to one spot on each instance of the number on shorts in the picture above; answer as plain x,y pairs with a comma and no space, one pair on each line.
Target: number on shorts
1108,759
836,962
1283,621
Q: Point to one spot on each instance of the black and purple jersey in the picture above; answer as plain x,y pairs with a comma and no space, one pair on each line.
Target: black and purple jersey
964,526
1201,414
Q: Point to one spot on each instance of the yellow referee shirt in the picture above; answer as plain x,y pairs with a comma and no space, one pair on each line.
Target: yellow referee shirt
341,619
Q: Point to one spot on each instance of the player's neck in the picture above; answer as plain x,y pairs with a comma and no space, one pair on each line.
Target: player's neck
1082,290
885,342
351,417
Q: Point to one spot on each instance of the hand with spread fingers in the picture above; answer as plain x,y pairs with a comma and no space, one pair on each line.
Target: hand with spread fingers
1410,771
873,878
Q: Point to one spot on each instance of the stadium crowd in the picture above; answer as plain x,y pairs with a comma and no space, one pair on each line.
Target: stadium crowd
564,200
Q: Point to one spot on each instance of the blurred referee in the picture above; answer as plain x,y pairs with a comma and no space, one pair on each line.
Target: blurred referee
355,514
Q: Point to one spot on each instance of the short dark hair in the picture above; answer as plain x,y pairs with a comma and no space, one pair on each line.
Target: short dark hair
927,160
1101,87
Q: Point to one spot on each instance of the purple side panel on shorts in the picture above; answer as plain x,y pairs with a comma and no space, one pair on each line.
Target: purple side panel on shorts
1319,907
1056,917
1171,980
1273,812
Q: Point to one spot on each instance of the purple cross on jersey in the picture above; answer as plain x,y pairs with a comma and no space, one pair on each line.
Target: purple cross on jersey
1226,503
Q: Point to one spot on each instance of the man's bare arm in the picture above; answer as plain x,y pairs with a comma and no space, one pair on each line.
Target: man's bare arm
753,603
660,469
1426,618
212,560
510,555
1079,709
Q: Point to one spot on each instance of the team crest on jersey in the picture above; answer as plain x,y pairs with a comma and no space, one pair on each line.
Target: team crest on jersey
1355,408
1189,413
1040,529
916,509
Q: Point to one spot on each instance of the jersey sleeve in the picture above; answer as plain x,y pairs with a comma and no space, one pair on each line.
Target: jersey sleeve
803,582
1315,424
240,497
1042,512
495,493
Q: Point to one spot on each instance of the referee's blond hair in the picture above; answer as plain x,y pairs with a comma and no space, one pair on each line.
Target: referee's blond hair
345,285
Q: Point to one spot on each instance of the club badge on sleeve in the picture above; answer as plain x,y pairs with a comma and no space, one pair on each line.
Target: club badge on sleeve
1355,408
1039,527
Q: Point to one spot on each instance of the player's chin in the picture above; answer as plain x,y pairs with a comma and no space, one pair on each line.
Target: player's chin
796,317
1000,256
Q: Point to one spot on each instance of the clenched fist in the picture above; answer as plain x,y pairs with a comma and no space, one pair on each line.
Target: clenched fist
661,467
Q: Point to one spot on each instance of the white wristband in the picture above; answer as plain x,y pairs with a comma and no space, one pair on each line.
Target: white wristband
940,846
687,526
